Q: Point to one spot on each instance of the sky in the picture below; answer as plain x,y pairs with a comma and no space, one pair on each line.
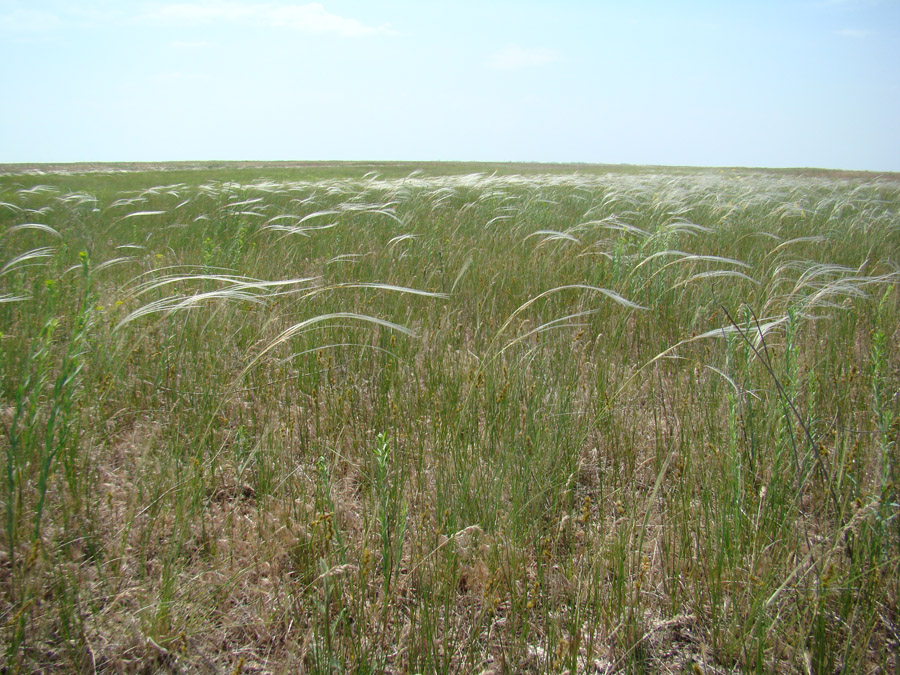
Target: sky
788,83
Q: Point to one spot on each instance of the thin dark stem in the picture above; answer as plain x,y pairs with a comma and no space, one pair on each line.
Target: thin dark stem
763,358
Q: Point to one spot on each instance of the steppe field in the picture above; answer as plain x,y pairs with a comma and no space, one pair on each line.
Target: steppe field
439,418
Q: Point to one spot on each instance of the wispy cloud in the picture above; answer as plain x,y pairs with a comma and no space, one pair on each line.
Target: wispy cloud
28,20
850,3
311,17
184,44
178,76
855,33
516,58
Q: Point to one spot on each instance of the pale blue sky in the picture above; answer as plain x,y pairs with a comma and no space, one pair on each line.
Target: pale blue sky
728,83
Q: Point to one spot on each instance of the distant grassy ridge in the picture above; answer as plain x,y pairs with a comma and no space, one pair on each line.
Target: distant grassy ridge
397,417
305,170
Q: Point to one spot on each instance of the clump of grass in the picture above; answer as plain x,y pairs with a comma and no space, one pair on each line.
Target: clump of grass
593,421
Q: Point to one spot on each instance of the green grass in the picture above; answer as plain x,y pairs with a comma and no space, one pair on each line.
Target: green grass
507,419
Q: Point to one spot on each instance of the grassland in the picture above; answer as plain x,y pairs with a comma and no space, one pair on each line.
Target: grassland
543,419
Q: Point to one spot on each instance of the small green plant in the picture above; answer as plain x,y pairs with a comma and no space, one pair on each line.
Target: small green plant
43,428
885,400
392,510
